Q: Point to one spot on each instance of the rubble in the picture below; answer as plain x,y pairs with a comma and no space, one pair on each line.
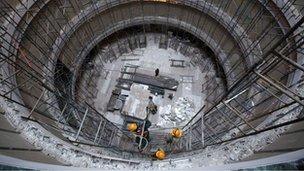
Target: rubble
177,114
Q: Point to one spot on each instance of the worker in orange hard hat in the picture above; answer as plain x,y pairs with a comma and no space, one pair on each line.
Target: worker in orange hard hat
160,154
132,127
176,133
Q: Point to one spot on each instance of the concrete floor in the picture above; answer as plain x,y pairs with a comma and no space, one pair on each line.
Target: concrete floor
13,139
148,59
291,140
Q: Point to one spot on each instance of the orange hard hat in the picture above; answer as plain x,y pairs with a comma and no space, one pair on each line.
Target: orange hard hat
160,154
176,133
132,127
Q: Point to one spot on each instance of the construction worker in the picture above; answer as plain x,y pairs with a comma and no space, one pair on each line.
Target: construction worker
151,108
175,133
132,127
156,72
141,133
159,154
142,142
145,132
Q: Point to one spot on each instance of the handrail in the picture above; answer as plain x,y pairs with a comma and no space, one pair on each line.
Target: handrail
239,81
197,113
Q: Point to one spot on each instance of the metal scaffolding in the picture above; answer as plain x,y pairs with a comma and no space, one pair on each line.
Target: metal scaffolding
45,46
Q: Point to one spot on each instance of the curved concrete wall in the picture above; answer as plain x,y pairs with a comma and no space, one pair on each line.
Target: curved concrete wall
69,40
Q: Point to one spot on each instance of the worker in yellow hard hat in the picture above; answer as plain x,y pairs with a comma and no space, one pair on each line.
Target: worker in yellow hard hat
160,154
132,127
176,133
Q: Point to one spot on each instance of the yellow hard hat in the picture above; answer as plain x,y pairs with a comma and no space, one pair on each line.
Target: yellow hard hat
160,154
132,127
176,133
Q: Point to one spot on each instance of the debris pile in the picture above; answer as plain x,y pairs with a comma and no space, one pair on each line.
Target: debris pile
178,114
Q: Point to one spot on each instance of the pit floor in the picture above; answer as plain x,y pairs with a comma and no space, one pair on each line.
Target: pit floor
171,113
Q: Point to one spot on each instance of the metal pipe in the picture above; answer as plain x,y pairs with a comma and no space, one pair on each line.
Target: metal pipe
260,131
36,103
239,81
82,122
102,130
279,88
239,115
98,129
